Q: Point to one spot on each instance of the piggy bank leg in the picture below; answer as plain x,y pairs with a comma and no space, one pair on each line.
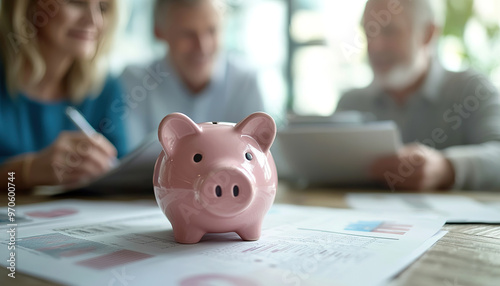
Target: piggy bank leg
188,236
251,232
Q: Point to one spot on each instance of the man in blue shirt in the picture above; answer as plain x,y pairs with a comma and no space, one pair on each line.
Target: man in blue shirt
193,78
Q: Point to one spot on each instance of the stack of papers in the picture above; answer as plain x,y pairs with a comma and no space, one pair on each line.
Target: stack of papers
97,243
454,208
495,205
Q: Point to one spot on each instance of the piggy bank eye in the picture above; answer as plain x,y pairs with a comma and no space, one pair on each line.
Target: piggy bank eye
197,158
249,156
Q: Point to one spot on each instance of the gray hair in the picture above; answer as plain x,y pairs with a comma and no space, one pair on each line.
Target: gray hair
430,11
424,11
161,6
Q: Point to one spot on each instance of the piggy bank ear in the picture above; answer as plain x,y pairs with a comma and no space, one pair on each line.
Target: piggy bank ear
259,126
174,127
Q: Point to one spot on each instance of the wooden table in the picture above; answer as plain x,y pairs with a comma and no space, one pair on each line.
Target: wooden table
468,255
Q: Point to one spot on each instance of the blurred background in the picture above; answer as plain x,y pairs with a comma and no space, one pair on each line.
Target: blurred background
309,52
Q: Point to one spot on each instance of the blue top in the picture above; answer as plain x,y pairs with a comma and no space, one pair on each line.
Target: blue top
27,125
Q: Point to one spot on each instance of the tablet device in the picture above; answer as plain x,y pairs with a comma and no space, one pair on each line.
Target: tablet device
337,154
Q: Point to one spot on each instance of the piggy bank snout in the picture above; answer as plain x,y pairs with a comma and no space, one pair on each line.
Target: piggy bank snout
227,192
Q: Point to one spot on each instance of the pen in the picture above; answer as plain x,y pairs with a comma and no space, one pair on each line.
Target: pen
84,126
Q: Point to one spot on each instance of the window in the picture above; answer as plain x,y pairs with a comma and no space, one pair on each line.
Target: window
309,52
327,47
255,30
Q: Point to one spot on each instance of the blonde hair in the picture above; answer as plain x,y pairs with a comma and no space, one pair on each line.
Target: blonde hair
21,56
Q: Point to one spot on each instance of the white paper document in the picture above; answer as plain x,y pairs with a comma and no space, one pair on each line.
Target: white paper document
495,205
87,243
454,208
132,174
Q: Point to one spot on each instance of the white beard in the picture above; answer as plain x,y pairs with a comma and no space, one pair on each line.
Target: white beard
404,75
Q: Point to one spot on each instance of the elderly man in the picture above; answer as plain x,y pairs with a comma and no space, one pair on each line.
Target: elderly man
194,78
450,121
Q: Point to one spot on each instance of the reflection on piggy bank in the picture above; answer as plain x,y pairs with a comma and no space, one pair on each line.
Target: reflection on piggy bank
215,177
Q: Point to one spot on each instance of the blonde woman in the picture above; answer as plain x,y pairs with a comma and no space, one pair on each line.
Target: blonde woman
51,58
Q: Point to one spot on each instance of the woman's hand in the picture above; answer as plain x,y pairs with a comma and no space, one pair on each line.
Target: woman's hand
72,158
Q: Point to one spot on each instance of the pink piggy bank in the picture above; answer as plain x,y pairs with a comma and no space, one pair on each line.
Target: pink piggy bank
215,177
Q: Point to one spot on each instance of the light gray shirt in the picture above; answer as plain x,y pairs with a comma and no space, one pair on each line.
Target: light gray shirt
458,113
154,91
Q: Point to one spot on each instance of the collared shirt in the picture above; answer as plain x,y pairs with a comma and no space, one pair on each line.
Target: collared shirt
458,113
156,90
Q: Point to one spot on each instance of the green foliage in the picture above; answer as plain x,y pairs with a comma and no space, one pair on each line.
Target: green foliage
459,13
